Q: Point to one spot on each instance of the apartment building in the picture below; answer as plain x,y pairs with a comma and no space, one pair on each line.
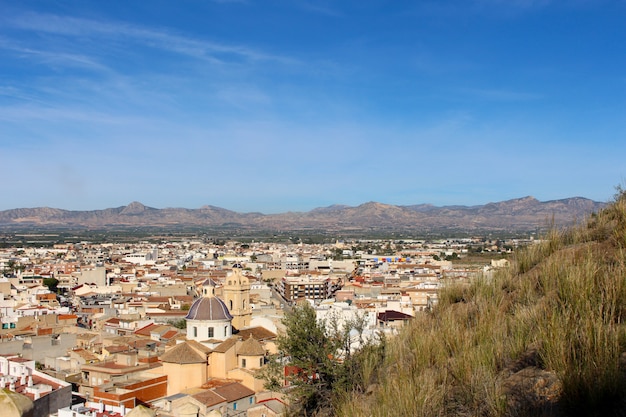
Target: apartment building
306,286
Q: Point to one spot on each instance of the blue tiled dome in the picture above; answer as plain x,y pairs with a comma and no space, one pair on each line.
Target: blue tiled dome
209,308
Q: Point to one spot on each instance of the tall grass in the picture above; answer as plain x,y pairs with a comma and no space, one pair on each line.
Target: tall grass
558,311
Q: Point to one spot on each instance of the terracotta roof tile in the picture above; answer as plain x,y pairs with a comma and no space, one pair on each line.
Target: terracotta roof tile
391,315
259,333
183,353
208,308
209,398
226,345
233,392
251,347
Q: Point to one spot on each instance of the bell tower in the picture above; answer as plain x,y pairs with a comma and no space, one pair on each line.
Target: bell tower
236,293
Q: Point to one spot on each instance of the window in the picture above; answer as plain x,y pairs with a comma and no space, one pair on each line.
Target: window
195,331
211,332
234,406
231,304
243,363
225,331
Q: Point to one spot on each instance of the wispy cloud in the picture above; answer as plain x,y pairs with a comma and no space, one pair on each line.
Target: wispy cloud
13,92
52,58
160,39
26,113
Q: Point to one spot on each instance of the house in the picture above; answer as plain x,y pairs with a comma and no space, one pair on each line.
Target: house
47,394
122,381
392,319
238,397
130,393
203,403
217,397
268,408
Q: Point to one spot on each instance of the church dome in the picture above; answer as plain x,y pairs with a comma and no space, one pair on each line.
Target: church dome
13,404
141,411
209,308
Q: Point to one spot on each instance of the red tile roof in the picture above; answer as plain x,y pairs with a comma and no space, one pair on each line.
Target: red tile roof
392,315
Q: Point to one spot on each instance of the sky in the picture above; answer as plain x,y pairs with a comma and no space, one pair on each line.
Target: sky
287,105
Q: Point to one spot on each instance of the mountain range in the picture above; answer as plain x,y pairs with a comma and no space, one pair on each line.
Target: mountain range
521,214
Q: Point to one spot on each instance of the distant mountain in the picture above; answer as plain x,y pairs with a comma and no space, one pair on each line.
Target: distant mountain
522,214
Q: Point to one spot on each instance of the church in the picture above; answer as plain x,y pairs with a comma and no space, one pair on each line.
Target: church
220,342
211,320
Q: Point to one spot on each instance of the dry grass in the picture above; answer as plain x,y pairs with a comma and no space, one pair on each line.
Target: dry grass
556,313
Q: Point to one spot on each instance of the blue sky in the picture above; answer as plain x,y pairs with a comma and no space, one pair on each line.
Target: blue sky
288,105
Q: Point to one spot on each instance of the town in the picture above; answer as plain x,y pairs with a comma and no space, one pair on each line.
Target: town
183,327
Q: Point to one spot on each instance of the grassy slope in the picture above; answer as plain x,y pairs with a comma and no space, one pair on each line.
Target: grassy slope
544,337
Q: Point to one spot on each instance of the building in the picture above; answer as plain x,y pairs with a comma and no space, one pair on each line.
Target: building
46,394
268,408
123,381
186,365
15,405
307,287
236,293
208,319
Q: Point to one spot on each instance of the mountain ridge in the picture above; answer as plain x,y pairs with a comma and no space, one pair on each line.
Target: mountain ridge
520,214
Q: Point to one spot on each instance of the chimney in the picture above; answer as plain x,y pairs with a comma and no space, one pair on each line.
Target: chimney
12,386
30,380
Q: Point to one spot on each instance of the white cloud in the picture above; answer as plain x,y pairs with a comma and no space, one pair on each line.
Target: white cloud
160,39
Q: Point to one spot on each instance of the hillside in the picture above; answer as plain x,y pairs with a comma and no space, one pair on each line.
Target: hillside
523,214
545,337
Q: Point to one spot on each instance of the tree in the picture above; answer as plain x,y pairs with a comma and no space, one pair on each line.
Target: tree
179,324
453,257
310,351
322,367
51,283
337,254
